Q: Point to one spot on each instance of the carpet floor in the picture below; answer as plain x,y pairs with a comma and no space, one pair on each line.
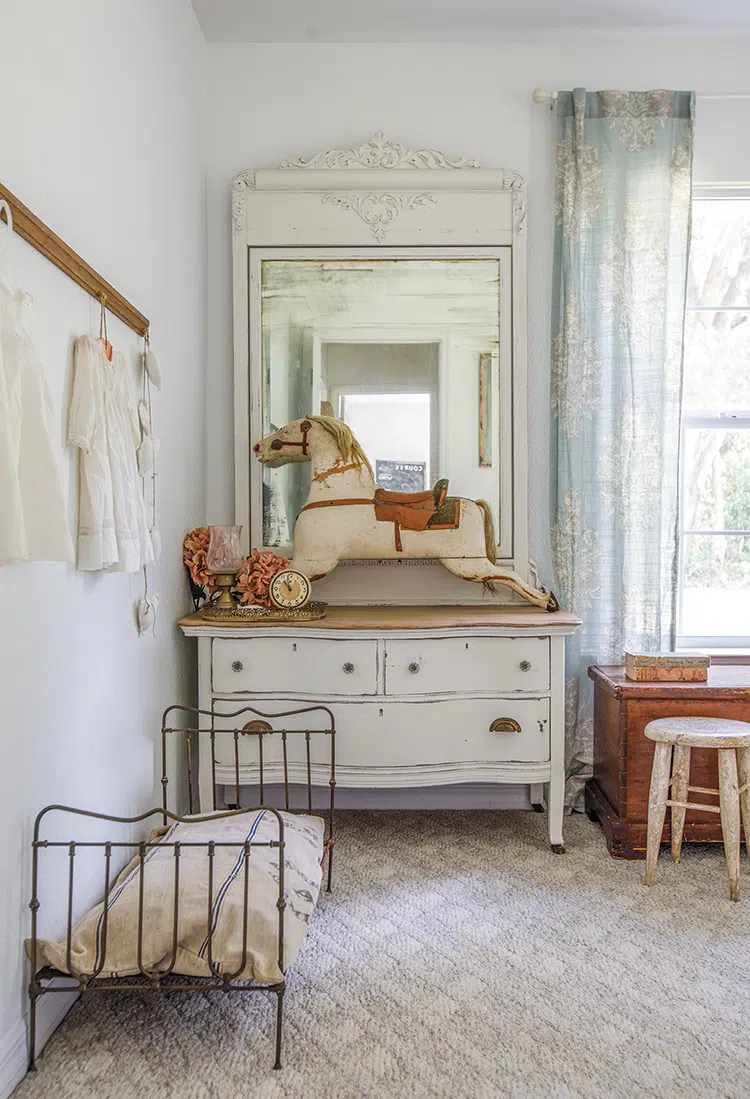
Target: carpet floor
457,958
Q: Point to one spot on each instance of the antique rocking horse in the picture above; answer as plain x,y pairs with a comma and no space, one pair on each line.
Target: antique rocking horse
347,518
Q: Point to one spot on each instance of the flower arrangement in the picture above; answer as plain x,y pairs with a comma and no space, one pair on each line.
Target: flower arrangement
194,558
253,579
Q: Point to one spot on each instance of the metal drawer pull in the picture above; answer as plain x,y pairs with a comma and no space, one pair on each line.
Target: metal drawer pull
505,725
237,666
414,667
256,727
525,665
348,667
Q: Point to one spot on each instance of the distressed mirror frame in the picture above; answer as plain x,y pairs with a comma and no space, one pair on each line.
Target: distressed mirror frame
383,199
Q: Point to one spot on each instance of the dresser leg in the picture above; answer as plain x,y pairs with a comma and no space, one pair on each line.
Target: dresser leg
555,807
536,796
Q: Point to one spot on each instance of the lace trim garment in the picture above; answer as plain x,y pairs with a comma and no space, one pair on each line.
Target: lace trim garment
33,511
103,424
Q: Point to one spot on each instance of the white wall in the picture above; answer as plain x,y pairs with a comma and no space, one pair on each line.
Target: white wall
98,136
269,102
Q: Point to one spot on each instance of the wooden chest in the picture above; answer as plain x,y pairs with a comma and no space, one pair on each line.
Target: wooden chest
618,793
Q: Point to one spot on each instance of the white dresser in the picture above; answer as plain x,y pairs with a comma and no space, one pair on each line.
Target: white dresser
393,279
422,696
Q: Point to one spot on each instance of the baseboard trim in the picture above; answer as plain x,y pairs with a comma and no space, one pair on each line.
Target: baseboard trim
14,1047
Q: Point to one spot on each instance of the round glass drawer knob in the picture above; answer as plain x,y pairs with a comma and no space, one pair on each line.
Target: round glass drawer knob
237,665
525,666
414,667
348,667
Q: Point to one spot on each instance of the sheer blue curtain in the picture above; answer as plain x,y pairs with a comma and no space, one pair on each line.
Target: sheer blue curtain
623,201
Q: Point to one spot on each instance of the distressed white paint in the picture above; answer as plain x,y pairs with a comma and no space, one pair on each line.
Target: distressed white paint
395,730
332,527
674,738
311,204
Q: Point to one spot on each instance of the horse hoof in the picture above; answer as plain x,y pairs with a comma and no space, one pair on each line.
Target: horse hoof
552,603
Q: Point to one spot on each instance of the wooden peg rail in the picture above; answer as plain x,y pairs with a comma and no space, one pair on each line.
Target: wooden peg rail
41,237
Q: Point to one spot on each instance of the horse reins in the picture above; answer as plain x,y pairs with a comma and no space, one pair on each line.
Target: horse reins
338,503
305,426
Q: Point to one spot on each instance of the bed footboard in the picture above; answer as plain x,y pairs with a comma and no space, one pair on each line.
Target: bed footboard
149,979
123,844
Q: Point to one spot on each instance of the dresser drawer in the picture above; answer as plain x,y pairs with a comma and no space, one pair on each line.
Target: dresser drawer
449,665
256,665
397,743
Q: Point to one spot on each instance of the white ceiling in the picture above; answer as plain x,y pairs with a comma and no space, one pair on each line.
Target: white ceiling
459,20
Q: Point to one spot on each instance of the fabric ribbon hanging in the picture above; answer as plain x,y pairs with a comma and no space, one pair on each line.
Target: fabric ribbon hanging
147,453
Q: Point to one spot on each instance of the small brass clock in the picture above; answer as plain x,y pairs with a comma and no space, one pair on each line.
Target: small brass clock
289,589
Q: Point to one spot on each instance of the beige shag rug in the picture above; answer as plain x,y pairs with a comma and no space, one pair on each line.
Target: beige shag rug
457,958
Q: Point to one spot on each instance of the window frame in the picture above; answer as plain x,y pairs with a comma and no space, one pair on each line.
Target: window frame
711,419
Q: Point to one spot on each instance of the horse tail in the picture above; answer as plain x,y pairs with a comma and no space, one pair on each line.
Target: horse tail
490,547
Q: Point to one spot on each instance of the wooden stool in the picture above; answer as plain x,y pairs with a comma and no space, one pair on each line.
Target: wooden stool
732,741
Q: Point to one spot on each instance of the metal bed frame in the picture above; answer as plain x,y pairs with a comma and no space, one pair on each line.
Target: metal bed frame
163,980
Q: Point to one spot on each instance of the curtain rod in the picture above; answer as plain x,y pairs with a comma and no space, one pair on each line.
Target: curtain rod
544,95
41,237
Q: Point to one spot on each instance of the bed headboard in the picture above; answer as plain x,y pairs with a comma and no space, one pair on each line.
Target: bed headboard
286,755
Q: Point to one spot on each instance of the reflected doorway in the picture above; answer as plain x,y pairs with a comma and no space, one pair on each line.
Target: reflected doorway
388,394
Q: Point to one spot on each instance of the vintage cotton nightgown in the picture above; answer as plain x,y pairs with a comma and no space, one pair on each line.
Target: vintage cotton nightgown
33,511
112,525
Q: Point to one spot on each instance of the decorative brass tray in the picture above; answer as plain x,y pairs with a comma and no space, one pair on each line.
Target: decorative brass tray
237,615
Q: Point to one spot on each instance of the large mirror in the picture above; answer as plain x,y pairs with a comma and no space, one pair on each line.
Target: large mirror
410,352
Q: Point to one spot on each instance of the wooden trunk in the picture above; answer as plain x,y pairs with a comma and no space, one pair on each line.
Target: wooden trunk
618,793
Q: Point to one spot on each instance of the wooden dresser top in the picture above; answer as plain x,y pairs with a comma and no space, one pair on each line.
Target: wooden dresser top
408,618
724,681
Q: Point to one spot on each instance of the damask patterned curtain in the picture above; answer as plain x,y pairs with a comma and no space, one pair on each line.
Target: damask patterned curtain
624,170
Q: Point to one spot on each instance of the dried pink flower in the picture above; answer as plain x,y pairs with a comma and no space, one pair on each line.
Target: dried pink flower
255,577
195,556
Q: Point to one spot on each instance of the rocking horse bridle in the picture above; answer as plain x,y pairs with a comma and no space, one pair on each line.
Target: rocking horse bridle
305,426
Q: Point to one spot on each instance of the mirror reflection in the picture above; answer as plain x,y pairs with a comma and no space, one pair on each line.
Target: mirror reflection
405,351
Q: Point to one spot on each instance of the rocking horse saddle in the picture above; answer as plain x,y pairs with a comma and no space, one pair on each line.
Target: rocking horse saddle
416,510
428,501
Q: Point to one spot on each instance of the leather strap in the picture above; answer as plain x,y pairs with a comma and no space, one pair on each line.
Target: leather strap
277,444
334,469
337,503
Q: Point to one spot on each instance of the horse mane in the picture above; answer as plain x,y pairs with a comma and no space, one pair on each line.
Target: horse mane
349,448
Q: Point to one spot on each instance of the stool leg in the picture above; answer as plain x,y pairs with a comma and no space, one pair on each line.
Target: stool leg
657,806
680,783
729,804
743,775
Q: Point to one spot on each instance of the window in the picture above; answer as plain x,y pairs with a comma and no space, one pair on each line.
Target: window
714,586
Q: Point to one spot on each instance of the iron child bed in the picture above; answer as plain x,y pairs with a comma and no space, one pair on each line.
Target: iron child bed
241,882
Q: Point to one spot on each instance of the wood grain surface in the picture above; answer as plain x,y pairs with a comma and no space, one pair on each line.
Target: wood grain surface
414,618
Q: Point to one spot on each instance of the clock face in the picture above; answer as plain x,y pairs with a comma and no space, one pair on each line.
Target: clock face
289,589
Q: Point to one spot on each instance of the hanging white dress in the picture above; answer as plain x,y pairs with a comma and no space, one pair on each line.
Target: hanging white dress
33,511
112,524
